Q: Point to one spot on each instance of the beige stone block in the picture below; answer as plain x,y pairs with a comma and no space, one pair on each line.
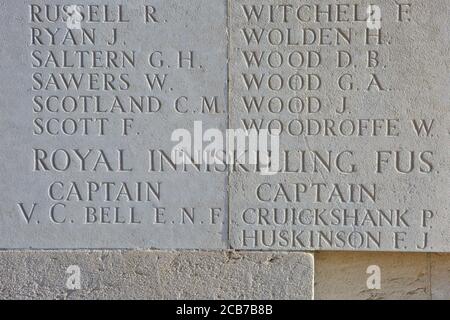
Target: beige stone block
342,275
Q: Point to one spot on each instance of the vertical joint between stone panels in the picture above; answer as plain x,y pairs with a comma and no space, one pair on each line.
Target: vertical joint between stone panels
228,93
313,276
429,275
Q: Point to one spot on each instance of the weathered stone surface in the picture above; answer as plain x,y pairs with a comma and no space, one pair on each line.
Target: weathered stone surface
156,275
440,276
121,195
343,275
363,177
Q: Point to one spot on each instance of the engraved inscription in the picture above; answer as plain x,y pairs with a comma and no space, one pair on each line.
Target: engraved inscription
94,92
358,94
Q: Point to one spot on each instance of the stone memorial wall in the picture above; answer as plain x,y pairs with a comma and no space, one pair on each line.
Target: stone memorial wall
222,127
